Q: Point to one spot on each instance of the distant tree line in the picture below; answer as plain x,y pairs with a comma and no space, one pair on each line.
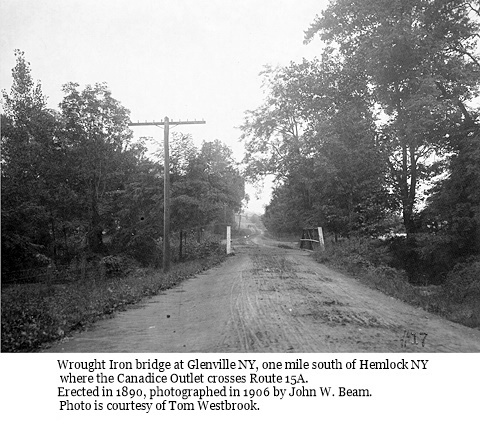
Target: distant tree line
76,185
379,134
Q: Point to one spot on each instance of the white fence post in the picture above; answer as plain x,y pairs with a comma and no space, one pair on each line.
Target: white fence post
320,239
229,240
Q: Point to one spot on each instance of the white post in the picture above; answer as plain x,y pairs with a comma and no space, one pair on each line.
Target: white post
320,239
229,240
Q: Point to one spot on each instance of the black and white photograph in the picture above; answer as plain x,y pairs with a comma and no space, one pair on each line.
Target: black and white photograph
210,186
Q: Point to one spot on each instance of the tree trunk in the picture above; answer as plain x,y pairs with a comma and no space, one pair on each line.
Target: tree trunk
95,234
54,239
411,259
408,186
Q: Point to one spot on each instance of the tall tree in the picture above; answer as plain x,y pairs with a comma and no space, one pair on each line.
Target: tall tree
272,132
29,142
209,189
453,209
328,157
95,127
419,58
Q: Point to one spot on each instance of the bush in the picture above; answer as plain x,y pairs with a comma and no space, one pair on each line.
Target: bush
209,244
355,253
427,259
115,266
436,254
463,282
368,259
459,297
143,249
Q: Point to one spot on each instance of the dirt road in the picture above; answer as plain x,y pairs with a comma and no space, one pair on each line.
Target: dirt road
272,299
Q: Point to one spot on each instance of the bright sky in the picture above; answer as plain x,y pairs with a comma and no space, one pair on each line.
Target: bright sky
185,59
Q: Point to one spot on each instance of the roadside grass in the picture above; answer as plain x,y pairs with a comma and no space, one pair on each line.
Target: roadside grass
37,314
458,299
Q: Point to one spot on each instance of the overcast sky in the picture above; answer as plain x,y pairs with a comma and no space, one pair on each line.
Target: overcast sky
184,59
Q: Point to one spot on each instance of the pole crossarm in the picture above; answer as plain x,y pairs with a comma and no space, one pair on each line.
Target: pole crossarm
161,123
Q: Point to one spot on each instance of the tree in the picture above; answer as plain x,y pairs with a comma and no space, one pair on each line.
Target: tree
328,157
29,142
206,188
453,209
75,185
284,215
209,189
138,225
418,56
95,129
272,133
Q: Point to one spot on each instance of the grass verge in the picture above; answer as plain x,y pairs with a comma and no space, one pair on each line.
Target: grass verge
458,299
36,314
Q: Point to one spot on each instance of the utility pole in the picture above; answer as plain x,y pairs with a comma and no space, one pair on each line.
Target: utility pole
166,196
166,181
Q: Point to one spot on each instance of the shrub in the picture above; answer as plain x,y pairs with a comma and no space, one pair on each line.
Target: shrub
368,259
355,253
463,282
115,266
143,249
459,297
435,257
210,244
